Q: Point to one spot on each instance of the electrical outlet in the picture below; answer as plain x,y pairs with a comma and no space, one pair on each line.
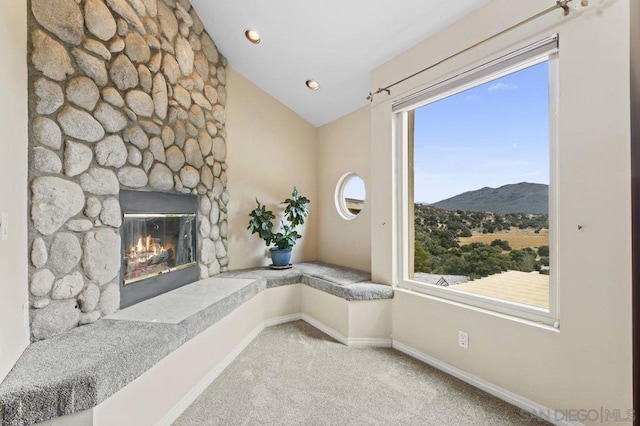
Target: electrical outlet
4,226
463,339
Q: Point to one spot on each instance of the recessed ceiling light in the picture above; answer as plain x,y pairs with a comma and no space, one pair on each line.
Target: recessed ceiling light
313,85
252,36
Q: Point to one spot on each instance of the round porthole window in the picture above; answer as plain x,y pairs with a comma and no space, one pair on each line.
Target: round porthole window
350,196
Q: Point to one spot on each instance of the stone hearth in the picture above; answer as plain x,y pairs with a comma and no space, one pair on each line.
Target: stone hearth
123,95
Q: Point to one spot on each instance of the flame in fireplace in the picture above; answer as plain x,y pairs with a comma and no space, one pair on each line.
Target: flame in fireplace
147,245
148,254
156,244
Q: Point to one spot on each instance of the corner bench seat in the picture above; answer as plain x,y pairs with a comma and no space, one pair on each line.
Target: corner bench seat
79,369
345,283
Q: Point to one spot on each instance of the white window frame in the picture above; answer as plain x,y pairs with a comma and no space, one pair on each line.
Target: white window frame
544,50
340,199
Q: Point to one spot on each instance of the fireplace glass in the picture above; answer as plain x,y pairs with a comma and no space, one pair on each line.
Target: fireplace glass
155,244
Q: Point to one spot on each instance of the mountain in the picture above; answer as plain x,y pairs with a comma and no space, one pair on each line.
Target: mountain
521,197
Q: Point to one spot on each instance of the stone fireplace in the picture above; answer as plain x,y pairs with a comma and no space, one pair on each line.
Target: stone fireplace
159,244
123,96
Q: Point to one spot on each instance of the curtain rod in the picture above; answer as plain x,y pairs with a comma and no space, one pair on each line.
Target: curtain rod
560,4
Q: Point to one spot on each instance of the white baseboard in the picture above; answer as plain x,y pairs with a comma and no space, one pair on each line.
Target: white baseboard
325,329
281,320
357,342
349,341
505,395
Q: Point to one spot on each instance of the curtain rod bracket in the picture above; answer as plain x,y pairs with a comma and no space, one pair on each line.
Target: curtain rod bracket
564,4
377,92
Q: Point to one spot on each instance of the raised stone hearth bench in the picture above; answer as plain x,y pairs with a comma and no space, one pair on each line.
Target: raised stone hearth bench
82,368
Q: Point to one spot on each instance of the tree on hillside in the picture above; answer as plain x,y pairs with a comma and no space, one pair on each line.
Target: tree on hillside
421,259
490,227
485,261
465,233
504,244
467,248
523,259
543,251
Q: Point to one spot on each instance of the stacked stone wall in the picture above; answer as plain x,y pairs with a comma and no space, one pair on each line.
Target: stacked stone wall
123,94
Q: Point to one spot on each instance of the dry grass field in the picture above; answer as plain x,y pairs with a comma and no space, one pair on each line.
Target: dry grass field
518,238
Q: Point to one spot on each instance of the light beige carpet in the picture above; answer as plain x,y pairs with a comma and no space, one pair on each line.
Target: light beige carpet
293,374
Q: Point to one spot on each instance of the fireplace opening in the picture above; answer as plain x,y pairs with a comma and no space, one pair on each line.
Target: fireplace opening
157,243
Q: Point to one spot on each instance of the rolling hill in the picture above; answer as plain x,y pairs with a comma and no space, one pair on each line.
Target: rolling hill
521,197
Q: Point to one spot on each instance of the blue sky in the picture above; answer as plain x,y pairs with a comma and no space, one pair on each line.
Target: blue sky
491,135
355,188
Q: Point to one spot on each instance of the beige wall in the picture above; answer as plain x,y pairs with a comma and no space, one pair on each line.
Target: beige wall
282,301
344,146
370,319
270,149
329,310
14,337
587,364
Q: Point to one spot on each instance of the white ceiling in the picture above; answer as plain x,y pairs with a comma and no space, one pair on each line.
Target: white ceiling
336,42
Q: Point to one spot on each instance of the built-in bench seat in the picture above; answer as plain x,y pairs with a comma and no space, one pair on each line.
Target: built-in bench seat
345,283
78,370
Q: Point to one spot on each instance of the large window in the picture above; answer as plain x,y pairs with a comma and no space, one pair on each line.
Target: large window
477,184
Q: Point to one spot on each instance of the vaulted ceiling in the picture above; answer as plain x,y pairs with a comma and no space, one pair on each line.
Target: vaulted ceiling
335,42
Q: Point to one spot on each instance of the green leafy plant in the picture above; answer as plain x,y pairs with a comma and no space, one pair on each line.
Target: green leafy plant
260,222
296,211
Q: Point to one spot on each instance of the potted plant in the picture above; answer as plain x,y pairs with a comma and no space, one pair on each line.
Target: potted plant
295,213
